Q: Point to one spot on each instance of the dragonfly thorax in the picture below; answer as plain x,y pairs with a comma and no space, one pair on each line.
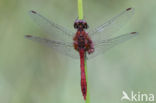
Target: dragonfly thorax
83,42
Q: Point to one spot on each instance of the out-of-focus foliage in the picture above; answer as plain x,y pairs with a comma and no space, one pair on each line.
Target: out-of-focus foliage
31,73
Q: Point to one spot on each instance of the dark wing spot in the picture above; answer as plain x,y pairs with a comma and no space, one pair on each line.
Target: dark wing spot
28,36
128,9
34,12
133,32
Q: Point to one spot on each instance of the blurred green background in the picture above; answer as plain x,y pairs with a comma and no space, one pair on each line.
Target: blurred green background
32,73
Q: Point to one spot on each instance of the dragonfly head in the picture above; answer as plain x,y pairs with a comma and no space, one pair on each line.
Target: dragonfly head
80,24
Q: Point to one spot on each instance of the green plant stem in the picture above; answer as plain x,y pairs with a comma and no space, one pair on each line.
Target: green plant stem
80,17
88,97
80,9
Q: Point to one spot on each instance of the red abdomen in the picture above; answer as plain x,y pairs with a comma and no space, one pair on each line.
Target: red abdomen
83,43
83,75
84,87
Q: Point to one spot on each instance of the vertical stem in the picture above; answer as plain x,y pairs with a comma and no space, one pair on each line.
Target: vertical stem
87,98
80,17
80,9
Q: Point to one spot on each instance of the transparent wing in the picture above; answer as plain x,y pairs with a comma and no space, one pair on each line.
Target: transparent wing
111,26
103,46
61,47
56,31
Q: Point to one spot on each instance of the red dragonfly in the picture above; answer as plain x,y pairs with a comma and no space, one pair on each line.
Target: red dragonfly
83,44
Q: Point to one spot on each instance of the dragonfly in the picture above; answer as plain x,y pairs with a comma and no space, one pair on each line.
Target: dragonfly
82,44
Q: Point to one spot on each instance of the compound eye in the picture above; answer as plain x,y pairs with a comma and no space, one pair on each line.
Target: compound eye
85,26
75,25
